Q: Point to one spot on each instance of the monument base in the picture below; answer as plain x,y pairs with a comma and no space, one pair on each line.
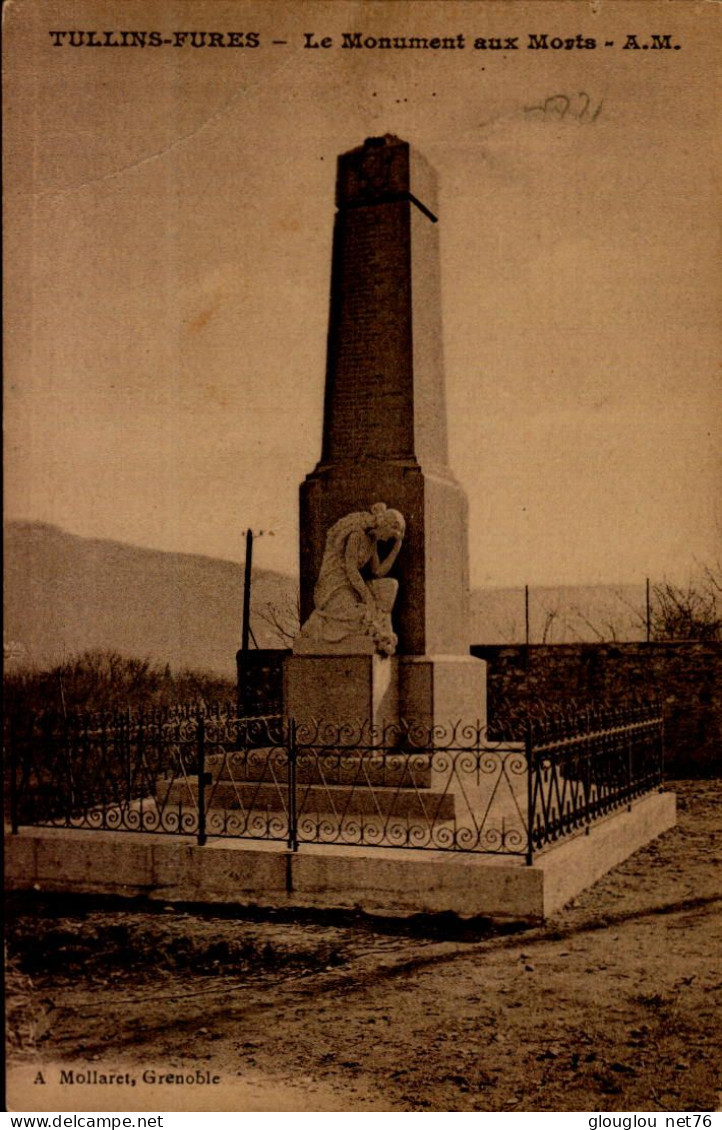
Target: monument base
442,690
355,690
342,690
376,880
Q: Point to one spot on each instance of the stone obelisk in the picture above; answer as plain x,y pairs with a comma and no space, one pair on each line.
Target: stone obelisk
384,432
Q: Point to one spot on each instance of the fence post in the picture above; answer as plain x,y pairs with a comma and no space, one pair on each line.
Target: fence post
126,753
660,771
528,748
201,769
630,768
292,810
59,744
14,822
526,615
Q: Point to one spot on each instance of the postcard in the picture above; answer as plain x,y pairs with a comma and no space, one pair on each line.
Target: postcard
452,271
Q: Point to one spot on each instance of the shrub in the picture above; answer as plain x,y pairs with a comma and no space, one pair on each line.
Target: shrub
106,680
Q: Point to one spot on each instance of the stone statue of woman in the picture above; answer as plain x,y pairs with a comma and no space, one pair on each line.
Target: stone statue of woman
347,608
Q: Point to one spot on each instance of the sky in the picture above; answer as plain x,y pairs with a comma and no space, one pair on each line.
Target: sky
168,225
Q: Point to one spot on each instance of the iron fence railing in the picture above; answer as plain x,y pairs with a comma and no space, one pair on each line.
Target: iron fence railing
583,767
198,772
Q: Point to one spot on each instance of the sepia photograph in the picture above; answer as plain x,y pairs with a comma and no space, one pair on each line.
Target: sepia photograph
363,557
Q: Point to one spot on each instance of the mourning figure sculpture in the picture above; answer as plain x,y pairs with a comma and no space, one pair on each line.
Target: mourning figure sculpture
346,605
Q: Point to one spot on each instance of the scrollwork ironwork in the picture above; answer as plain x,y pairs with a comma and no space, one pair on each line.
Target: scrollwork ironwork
412,785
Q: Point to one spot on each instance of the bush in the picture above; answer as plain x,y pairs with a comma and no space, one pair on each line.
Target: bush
691,613
105,680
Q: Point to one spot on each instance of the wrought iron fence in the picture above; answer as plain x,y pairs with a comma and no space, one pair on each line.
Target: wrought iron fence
443,788
586,765
203,773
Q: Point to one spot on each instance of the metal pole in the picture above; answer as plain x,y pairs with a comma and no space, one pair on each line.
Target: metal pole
292,810
526,614
245,626
14,774
128,767
660,771
529,796
630,769
201,780
648,612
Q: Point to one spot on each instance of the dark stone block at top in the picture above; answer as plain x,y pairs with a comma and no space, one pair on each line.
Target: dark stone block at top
384,168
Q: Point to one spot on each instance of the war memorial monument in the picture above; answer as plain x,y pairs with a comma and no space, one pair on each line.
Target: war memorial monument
383,523
377,785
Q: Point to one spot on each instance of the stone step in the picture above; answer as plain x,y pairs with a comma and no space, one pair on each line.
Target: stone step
358,769
260,796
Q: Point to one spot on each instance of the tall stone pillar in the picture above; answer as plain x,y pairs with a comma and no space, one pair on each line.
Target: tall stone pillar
384,433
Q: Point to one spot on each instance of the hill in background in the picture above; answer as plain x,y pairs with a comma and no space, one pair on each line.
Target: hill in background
65,594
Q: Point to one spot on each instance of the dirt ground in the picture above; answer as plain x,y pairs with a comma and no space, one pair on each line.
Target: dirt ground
615,1004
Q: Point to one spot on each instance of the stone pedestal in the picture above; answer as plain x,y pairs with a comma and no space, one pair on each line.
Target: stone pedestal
442,691
356,691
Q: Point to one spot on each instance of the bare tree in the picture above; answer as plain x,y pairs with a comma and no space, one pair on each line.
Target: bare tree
283,617
605,633
693,612
551,615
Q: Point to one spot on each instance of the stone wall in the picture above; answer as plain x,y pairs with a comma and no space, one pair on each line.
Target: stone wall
686,676
264,680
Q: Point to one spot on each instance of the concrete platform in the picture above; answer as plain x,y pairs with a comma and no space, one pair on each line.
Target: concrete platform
376,880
